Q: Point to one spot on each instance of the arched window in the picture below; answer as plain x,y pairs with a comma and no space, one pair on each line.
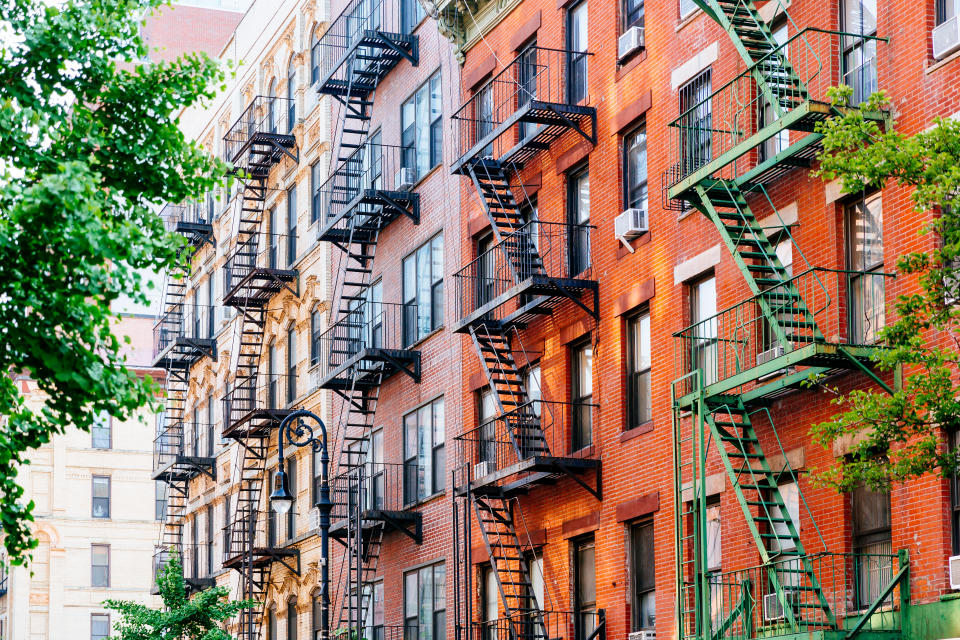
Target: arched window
272,107
315,56
291,94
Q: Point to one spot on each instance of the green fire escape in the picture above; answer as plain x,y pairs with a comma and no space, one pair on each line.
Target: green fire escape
730,145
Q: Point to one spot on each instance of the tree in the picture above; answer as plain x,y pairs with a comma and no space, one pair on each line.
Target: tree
900,436
89,147
181,618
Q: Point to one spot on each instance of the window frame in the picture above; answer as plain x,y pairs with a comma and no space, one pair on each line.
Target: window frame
433,135
94,497
581,436
291,386
639,592
97,429
638,21
579,248
583,608
854,211
706,344
632,200
696,148
436,452
292,618
578,86
291,224
99,615
435,612
291,93
94,566
316,195
424,313
638,377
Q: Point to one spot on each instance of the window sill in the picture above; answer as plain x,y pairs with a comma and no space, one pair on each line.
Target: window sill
628,63
421,180
687,19
629,434
425,501
939,64
414,346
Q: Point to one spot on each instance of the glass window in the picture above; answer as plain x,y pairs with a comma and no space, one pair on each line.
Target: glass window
872,543
275,235
99,626
292,487
696,126
291,225
102,431
317,617
639,398
585,586
424,603
211,432
581,375
488,426
315,57
411,13
421,127
291,95
272,625
714,536
291,364
643,582
632,14
101,496
947,10
687,7
490,599
100,565
292,619
423,291
316,328
635,169
160,500
272,107
316,183
781,140
577,53
578,214
703,322
273,376
865,257
859,19
424,451
209,541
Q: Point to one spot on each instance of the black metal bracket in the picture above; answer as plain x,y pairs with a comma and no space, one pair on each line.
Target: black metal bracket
282,560
416,534
596,491
392,45
414,373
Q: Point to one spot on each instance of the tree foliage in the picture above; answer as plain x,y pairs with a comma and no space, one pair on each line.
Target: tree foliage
89,146
181,618
901,436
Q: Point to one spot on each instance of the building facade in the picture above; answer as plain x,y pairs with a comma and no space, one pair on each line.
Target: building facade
97,516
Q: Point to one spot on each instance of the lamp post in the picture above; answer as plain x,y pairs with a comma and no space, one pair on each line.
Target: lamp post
301,434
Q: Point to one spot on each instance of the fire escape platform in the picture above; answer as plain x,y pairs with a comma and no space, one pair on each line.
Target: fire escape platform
184,467
542,294
256,423
196,232
553,118
185,352
408,521
361,370
281,142
390,48
377,207
535,470
259,286
262,557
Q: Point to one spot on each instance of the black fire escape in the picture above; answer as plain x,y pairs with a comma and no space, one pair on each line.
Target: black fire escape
252,407
532,267
370,185
183,335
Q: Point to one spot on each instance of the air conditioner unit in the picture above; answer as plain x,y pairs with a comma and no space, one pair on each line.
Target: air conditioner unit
953,569
630,224
630,41
405,179
766,356
646,634
773,608
946,38
313,518
483,469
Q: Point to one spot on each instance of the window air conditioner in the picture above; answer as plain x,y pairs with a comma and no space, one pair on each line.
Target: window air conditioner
953,568
766,356
630,224
630,41
405,179
773,609
483,469
646,634
314,518
946,38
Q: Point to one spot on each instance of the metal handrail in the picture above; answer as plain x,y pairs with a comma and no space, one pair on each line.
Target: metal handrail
374,485
372,166
265,115
368,325
187,321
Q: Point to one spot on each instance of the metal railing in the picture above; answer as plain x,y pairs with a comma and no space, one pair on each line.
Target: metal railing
375,485
182,439
714,126
264,116
361,20
743,603
268,392
847,307
195,557
249,256
185,321
378,632
372,167
488,121
368,325
542,625
548,249
536,428
188,212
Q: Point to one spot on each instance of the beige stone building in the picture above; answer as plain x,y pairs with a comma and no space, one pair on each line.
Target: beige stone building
97,519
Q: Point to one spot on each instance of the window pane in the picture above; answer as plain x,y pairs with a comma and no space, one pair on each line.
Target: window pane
866,234
636,149
410,595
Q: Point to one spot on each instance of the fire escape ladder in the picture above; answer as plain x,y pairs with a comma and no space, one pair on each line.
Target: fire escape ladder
492,183
357,106
790,572
498,529
363,546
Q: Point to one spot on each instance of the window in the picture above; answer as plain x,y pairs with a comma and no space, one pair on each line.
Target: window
99,626
639,398
101,496
373,625
292,619
316,184
703,328
272,107
424,603
632,14
424,455
211,435
291,225
865,256
577,53
490,598
585,586
789,571
316,329
191,563
411,13
781,140
100,565
770,339
291,364
272,625
714,557
859,19
635,169
315,57
292,487
102,432
487,270
527,76
160,500
226,525
581,377
686,8
955,497
273,374
578,214
273,255
947,10
872,543
696,126
209,540
317,617
487,404
423,291
291,95
421,129
642,578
